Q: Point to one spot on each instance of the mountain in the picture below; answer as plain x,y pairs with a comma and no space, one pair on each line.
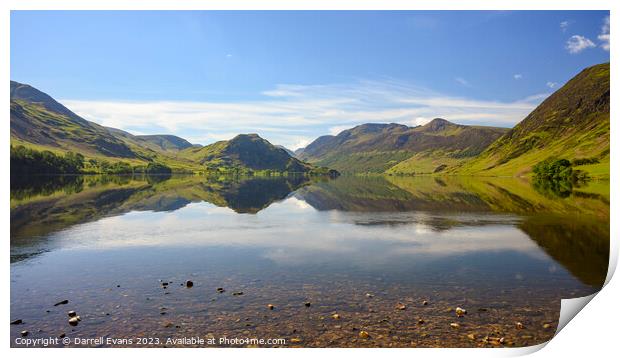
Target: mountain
247,152
573,123
377,147
39,123
38,119
166,141
290,152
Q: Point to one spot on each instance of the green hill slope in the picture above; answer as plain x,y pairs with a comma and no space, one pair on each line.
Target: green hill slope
40,124
378,147
246,152
166,141
573,123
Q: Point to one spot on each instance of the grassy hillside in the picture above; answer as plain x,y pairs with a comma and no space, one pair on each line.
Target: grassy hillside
40,125
246,152
379,147
166,141
573,123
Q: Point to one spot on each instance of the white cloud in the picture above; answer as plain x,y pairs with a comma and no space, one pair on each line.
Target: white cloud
551,84
517,76
419,121
604,35
293,115
564,25
462,81
578,43
228,56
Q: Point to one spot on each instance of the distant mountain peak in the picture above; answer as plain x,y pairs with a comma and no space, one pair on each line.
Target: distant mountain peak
438,124
246,136
252,152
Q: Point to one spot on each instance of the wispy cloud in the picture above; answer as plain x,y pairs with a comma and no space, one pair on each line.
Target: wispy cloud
578,43
517,76
604,35
462,81
564,25
551,84
294,115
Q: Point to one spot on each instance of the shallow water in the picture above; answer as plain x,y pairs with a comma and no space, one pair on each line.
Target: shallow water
370,250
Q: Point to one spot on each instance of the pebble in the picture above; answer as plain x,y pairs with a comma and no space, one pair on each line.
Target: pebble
364,334
295,340
307,304
546,326
336,316
74,320
220,290
370,295
237,293
424,303
401,306
62,335
17,321
189,284
63,302
471,336
460,312
455,325
24,333
519,325
71,314
270,306
420,321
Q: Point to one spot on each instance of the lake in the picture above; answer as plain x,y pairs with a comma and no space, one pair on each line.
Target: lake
348,262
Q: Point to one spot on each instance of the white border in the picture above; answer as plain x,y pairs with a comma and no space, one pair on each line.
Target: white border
592,332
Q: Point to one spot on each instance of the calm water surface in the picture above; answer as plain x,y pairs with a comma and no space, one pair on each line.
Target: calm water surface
370,250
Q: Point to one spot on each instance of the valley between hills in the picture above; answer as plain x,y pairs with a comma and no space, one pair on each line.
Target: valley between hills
572,124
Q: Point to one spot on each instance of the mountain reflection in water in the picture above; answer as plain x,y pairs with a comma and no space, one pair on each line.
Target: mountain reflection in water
574,231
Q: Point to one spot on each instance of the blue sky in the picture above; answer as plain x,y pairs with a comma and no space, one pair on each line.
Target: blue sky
293,76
